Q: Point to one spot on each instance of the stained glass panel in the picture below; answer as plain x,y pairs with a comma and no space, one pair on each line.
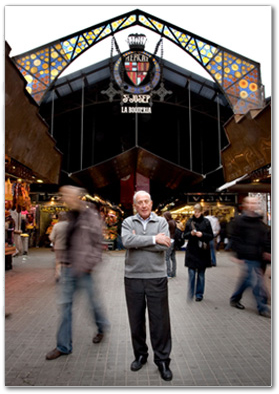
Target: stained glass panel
59,48
129,21
159,26
69,46
169,34
247,88
181,37
35,62
57,63
192,48
105,33
81,45
116,24
38,97
34,84
143,20
206,51
215,67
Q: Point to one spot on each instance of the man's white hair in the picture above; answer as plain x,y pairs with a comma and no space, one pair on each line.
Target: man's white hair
140,192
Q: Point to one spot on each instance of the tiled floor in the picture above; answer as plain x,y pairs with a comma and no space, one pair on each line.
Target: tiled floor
213,343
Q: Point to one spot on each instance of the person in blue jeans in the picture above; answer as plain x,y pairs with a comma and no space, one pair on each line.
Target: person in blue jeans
250,242
216,230
83,254
170,253
198,232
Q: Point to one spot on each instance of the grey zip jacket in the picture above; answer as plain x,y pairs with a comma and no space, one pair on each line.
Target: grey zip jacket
144,259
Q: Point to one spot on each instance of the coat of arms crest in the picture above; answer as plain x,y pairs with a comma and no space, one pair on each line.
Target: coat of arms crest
137,66
133,70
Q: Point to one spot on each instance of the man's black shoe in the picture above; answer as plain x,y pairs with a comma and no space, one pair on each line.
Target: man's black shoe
165,371
138,363
237,305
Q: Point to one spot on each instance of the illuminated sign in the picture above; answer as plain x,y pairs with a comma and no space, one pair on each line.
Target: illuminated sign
137,73
222,198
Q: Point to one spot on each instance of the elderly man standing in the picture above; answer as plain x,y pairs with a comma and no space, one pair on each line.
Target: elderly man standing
84,252
146,238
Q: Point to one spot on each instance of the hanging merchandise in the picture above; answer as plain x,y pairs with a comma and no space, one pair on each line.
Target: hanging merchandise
20,193
8,190
9,229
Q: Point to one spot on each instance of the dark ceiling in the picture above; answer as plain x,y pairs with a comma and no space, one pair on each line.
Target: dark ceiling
176,147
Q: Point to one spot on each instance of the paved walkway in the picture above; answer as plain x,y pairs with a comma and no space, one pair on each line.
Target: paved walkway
213,343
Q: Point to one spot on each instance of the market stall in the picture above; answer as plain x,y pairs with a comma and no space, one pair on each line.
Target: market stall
20,224
112,218
47,217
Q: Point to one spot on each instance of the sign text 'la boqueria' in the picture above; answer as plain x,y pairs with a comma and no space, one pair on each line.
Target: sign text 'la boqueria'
138,99
136,110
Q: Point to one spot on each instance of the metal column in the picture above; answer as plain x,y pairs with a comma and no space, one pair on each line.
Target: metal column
82,121
190,127
219,129
52,113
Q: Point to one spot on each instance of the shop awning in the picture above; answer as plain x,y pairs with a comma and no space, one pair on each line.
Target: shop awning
255,182
135,160
228,185
251,188
249,146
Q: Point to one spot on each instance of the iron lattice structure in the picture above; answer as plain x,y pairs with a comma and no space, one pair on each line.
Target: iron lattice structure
238,77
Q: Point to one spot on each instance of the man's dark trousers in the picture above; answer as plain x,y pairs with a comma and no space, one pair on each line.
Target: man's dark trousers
152,293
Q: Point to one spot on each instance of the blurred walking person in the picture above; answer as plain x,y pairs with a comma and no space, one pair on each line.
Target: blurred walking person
215,225
229,233
222,237
146,238
198,231
251,241
84,252
170,253
16,215
58,237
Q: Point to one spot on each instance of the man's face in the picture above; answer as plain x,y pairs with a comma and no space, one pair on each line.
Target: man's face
197,213
143,205
251,204
70,198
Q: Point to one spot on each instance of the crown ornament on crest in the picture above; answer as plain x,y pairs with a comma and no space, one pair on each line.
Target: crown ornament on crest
137,41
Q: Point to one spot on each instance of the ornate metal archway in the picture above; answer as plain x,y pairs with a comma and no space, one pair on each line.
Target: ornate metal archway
238,77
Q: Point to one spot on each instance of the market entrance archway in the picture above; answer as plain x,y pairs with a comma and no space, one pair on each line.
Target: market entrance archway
238,77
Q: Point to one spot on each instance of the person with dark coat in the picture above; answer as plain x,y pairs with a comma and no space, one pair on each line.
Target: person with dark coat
170,253
198,232
251,242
